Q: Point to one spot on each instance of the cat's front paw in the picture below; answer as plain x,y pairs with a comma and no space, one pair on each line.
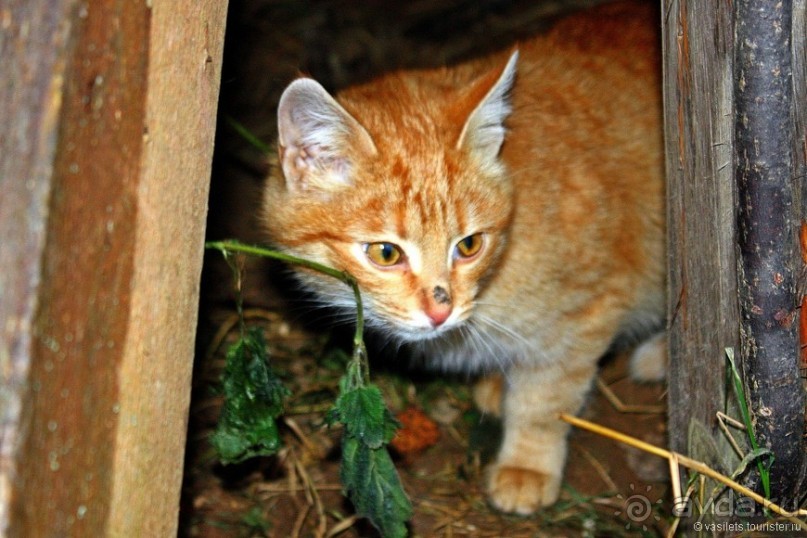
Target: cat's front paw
521,491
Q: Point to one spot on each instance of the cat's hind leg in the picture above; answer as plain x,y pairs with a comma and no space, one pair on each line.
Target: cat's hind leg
649,360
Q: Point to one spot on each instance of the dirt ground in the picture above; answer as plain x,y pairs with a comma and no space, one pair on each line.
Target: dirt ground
610,490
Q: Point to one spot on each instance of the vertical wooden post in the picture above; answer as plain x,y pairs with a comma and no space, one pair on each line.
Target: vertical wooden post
703,308
27,147
105,285
717,138
764,172
186,44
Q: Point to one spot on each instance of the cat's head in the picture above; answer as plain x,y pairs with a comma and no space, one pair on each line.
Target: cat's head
399,182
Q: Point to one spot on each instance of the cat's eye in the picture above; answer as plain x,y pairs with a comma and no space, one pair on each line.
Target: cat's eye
384,254
468,247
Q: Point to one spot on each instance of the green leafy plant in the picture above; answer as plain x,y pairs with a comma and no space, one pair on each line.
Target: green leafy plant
256,523
253,399
368,476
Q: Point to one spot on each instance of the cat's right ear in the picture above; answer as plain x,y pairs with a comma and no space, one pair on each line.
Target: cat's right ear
317,138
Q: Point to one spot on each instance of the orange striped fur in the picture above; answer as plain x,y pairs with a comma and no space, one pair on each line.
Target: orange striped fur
549,161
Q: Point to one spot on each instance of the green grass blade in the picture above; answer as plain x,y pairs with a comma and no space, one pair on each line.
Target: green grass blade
739,392
247,135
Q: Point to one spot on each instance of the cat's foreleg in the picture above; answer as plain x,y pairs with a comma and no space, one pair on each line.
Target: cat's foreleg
528,471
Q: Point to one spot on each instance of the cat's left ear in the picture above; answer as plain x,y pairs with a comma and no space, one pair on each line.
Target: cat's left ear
483,132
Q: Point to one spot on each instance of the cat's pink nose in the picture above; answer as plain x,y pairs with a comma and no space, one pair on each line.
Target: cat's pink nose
438,314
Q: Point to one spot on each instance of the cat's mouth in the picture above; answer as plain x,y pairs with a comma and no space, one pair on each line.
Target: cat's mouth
414,334
410,331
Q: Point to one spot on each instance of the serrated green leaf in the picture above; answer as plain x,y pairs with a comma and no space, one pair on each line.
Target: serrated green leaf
235,444
373,486
253,399
365,415
369,477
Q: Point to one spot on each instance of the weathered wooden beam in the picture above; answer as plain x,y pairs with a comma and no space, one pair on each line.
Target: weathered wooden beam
30,95
714,146
111,107
186,43
703,308
765,176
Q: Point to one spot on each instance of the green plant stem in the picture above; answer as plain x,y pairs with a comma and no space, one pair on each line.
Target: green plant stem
739,392
247,135
359,351
368,474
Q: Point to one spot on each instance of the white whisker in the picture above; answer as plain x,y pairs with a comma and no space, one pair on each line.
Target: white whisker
505,330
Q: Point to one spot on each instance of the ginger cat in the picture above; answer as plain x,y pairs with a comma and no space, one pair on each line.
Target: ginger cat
504,215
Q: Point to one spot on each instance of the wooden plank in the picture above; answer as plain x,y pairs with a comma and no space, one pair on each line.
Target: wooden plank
186,45
104,376
63,467
27,147
701,82
703,309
